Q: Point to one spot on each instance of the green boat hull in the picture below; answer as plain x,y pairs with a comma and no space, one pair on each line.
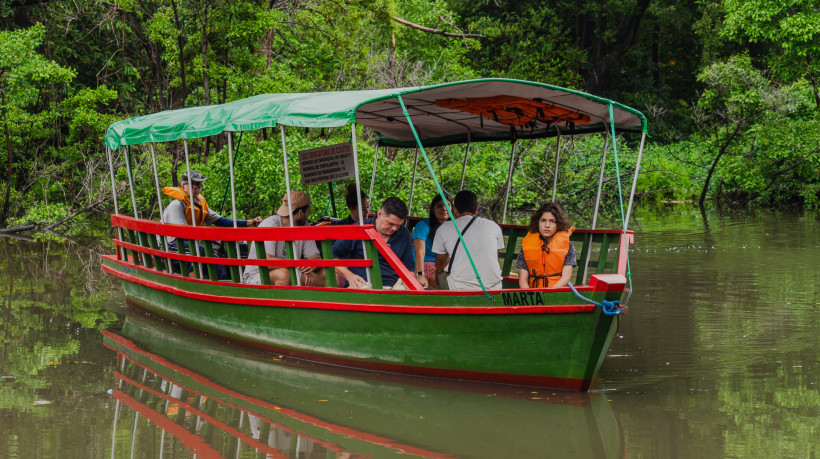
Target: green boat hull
553,340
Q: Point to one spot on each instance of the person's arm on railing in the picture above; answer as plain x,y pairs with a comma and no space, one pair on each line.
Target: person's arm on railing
345,250
354,280
420,249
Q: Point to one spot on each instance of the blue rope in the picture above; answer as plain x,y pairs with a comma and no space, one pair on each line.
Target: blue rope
610,308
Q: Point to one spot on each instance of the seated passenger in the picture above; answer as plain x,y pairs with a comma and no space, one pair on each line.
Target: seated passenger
423,235
178,212
483,239
389,223
547,256
353,206
275,250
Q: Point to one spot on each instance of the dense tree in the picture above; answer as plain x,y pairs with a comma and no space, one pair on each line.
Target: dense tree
791,29
29,86
699,70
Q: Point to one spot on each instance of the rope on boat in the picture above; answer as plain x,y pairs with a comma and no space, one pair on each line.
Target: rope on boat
610,308
444,198
620,193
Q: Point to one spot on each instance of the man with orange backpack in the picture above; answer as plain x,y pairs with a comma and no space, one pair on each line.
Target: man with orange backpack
179,212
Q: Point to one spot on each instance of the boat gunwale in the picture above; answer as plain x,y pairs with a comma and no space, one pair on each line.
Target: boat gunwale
489,309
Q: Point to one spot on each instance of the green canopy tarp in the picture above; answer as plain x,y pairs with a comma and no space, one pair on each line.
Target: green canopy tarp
449,113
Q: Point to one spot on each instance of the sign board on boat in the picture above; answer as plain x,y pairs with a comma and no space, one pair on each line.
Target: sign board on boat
326,164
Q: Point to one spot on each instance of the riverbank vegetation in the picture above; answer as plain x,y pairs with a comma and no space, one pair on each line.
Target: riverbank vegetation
730,88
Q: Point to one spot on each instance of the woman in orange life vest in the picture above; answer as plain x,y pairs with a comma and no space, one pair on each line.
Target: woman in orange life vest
547,256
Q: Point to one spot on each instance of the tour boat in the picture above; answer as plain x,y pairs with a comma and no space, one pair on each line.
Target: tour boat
536,337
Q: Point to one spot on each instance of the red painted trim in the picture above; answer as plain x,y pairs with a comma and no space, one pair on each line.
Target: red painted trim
370,438
165,422
608,282
193,442
284,233
243,261
393,260
360,307
580,288
623,250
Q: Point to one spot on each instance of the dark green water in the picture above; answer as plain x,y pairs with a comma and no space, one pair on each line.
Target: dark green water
719,356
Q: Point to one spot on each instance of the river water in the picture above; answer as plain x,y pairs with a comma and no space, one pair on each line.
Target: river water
718,356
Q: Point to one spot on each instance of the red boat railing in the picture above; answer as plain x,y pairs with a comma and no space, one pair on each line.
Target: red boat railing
597,251
142,242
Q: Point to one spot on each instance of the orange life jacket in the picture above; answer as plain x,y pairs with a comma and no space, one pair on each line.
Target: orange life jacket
513,110
545,263
200,208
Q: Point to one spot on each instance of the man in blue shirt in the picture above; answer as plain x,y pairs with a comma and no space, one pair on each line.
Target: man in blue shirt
389,223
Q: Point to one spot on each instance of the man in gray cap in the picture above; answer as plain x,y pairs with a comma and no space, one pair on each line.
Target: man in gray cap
178,212
298,211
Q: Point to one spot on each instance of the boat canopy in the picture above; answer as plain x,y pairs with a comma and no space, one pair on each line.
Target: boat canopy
479,110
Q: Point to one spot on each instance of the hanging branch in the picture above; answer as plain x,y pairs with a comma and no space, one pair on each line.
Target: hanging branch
436,31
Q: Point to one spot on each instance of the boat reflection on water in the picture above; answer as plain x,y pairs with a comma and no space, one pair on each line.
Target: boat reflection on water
209,398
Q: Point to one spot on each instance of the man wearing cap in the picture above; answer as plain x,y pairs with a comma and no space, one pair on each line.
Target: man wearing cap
178,212
298,212
389,223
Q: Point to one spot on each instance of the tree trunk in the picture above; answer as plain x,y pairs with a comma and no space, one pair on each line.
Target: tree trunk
181,47
158,65
656,54
204,47
723,149
605,53
5,212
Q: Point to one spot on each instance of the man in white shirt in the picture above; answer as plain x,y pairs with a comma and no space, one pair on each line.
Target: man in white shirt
483,239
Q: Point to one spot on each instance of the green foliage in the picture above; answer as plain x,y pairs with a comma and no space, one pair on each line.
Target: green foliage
689,66
50,292
792,29
764,130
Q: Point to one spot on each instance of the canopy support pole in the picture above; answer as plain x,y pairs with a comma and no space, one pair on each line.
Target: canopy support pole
597,205
634,181
621,202
113,186
509,183
464,164
133,201
233,164
557,155
233,197
134,432
413,182
120,251
375,165
163,242
131,181
195,249
359,196
600,183
287,188
444,198
114,428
